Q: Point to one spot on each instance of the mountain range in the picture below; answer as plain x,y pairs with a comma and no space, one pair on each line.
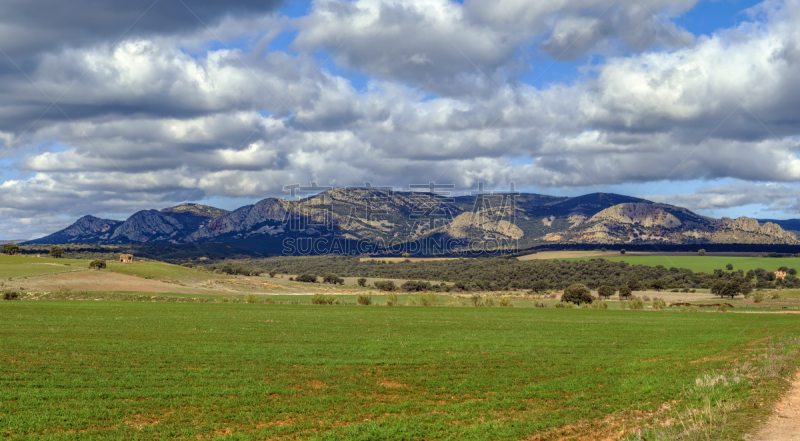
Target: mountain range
380,216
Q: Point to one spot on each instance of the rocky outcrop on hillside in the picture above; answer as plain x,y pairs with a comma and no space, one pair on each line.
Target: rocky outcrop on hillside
88,229
198,210
482,225
245,218
147,226
645,215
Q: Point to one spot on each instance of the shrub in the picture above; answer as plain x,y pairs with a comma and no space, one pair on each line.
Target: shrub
659,304
600,305
758,297
391,299
291,279
405,255
577,294
251,298
476,300
385,285
322,299
56,251
606,291
415,286
775,296
561,305
505,302
701,252
622,251
428,299
238,270
362,282
306,278
333,279
268,300
10,295
539,305
722,308
647,298
364,299
488,302
636,303
11,248
187,265
98,264
272,274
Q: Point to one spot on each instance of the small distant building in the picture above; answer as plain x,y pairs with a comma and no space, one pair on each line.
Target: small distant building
780,274
126,258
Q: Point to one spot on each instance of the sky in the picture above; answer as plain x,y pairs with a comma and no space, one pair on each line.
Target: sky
114,107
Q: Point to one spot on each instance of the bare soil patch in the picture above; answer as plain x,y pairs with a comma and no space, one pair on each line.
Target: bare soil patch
103,281
784,424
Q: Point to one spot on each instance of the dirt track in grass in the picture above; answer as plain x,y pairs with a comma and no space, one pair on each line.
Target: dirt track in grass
784,424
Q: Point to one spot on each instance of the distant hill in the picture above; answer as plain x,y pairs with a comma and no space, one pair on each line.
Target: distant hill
382,218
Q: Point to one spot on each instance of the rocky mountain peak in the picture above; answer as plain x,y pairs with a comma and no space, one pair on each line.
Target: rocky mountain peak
197,210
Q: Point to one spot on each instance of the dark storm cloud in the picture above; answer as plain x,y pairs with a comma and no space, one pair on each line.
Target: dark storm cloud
31,26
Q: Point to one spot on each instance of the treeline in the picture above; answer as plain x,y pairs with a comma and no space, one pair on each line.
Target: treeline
504,273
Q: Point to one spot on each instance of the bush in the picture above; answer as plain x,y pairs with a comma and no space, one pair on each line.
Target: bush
385,285
56,251
364,299
428,299
11,248
506,302
758,297
701,252
97,264
306,278
268,300
272,274
391,299
238,270
775,296
488,302
577,294
636,303
251,298
415,286
600,305
405,255
362,282
476,300
561,305
540,305
606,291
10,295
659,304
187,265
322,299
333,279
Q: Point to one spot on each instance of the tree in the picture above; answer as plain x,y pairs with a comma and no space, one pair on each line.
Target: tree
622,251
783,268
658,284
729,267
750,274
333,279
11,248
362,282
718,288
97,264
624,292
745,288
606,291
540,286
307,278
56,251
701,252
633,284
577,294
386,285
792,272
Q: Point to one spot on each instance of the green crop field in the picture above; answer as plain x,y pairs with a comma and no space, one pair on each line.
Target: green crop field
705,263
26,266
127,370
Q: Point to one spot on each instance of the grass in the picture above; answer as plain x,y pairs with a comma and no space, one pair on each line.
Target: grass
160,271
705,264
27,266
112,370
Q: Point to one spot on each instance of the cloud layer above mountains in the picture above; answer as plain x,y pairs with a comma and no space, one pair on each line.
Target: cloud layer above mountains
145,104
